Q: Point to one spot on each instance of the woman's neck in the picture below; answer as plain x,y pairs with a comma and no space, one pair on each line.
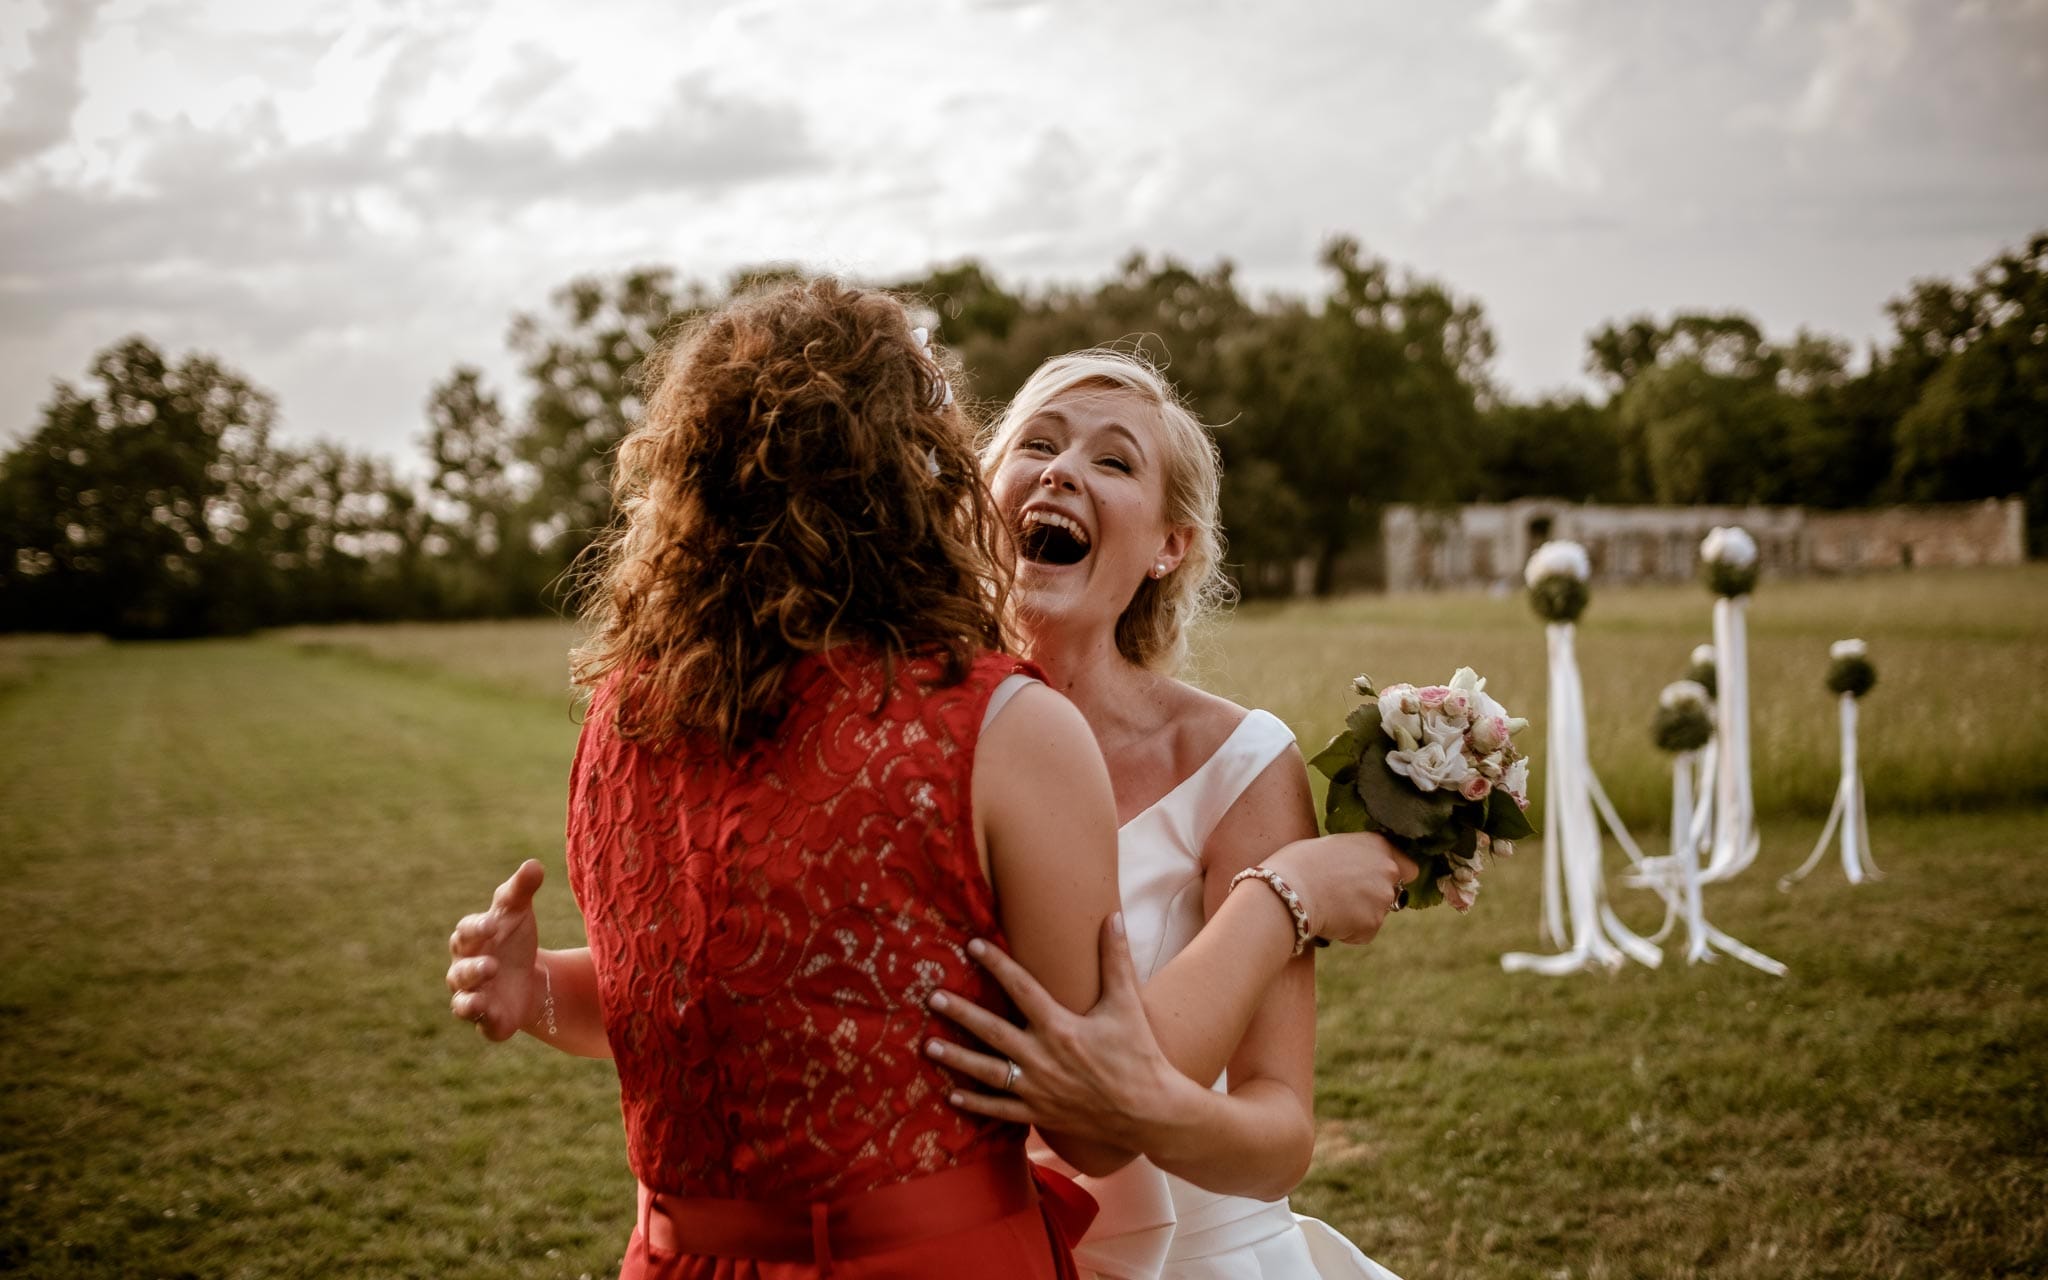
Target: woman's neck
1107,688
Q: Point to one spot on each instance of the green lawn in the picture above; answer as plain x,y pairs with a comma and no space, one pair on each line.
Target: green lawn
231,868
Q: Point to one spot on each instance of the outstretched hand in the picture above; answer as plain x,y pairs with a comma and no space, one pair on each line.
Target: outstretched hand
1090,1076
492,975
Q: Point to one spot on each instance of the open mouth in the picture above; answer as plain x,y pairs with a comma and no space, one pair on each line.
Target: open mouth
1046,537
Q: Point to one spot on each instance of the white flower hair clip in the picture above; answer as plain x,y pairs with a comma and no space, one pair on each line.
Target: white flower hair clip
944,395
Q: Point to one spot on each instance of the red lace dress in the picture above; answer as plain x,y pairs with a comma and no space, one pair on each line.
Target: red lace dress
766,931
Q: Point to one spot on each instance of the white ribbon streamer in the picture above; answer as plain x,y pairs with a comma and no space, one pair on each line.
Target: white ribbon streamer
1735,835
1676,877
1848,813
1576,915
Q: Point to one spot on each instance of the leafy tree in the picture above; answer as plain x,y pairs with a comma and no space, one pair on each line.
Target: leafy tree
586,360
479,498
1976,358
127,510
1374,397
1561,447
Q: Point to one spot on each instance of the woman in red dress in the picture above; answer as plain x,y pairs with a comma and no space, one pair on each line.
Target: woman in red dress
802,790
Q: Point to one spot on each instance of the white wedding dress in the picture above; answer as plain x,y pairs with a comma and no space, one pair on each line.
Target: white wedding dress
1151,1223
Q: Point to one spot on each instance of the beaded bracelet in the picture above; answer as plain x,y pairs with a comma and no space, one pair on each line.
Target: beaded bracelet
547,1000
1287,896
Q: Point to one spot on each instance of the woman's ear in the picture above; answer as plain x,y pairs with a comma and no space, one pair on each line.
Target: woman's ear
1174,549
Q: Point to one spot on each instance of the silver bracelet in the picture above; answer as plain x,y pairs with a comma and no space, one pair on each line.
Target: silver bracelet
547,1000
1287,896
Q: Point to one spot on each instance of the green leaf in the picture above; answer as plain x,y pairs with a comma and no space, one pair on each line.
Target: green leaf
1422,892
1506,821
1398,806
1363,723
1340,754
1342,809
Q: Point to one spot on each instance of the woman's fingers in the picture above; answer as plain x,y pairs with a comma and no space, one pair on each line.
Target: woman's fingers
468,975
991,1071
1410,869
1031,999
978,1022
999,1105
472,934
1119,974
516,894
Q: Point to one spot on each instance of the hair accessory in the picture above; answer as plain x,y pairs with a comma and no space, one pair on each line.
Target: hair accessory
944,395
1287,896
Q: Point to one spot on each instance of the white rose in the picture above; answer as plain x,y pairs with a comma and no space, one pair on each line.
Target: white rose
1684,692
1516,780
1431,766
1848,649
1552,558
1401,713
1703,655
1446,730
1731,546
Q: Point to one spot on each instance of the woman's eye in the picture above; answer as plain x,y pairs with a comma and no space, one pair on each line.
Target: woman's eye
1036,446
1118,463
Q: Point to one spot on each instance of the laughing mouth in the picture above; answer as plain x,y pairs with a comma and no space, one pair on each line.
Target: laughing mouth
1047,537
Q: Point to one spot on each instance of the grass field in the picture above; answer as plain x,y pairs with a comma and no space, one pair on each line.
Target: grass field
231,867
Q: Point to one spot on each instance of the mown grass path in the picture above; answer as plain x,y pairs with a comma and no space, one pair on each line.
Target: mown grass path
230,869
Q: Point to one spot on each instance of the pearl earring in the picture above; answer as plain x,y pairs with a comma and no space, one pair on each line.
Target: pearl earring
1159,570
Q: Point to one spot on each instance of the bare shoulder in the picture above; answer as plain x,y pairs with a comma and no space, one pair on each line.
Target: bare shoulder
1038,720
1201,722
1276,809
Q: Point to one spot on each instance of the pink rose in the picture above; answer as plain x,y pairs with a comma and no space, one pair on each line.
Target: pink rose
1490,734
1475,787
1460,891
1457,704
1432,696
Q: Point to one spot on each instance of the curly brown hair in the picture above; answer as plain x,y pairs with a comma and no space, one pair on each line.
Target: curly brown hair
800,480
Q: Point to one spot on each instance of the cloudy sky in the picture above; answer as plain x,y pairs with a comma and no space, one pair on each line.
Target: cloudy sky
346,198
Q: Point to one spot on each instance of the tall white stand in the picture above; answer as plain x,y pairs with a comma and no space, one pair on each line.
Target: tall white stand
1676,877
1848,814
1735,835
1576,914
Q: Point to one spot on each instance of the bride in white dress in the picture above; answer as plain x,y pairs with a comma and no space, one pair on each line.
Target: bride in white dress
1111,488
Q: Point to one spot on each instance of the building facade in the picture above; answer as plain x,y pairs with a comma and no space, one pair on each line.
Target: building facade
1484,544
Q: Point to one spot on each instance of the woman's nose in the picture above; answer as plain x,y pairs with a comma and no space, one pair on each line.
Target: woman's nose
1059,474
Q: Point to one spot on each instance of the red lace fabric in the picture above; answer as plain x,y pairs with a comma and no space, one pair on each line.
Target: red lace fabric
766,931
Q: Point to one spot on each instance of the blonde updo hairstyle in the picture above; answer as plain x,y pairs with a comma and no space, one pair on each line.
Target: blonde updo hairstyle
1152,631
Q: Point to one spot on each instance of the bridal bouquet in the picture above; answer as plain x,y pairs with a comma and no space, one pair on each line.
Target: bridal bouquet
1435,770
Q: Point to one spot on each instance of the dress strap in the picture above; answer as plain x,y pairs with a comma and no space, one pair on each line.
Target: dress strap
1011,686
1257,742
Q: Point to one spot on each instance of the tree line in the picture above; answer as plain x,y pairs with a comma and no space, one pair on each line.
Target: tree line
154,500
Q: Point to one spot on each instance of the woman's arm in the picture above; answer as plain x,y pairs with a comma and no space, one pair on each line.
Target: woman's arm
1046,820
503,982
1259,1140
1108,1075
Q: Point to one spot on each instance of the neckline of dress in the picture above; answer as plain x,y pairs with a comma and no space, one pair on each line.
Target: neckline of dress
1200,769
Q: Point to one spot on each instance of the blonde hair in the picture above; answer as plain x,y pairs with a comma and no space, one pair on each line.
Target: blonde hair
1153,629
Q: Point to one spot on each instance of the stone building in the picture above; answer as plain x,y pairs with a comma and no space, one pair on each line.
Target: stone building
1483,544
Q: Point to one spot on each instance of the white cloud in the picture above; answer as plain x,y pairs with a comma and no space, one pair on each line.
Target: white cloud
345,198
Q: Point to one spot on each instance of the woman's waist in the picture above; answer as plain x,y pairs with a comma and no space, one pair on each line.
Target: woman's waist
794,1226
